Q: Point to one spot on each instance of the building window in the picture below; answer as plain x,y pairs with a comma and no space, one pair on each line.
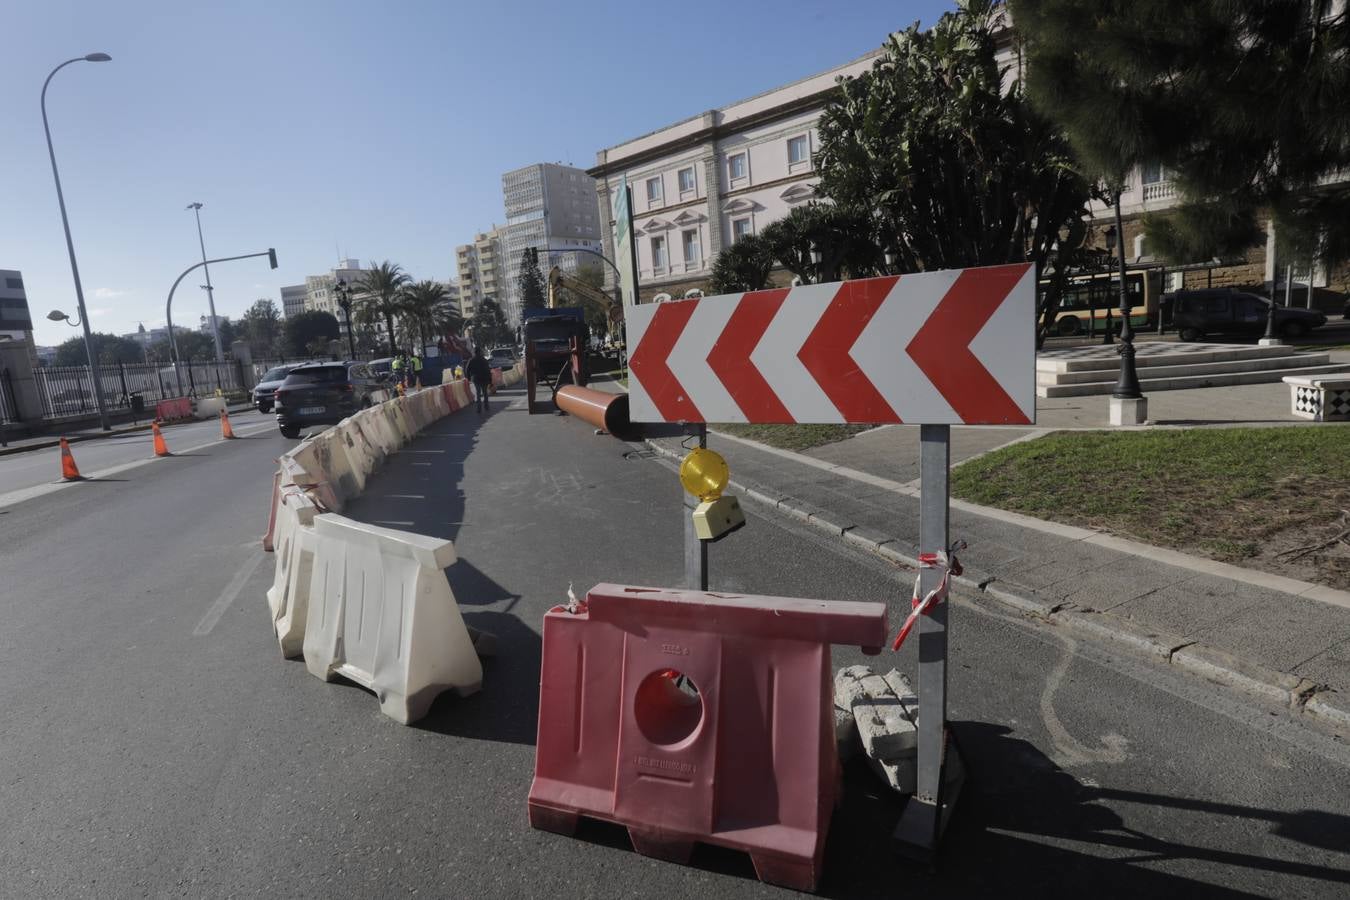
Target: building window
1150,173
15,284
737,165
798,150
654,190
686,180
691,247
658,254
739,228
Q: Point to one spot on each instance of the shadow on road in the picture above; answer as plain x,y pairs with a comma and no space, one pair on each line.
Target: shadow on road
507,708
1020,823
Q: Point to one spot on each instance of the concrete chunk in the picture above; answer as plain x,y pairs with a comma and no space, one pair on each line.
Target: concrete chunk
902,775
845,734
884,725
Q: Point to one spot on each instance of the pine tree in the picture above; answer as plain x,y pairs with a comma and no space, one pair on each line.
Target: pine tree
1242,103
531,281
957,167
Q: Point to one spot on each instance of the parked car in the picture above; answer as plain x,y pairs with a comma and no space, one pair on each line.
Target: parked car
508,352
267,386
502,358
325,394
1196,314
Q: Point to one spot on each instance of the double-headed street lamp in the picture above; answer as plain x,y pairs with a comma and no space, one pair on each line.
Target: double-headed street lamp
343,293
70,245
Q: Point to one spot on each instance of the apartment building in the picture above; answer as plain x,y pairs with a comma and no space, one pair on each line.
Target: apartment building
293,299
16,322
480,267
550,207
701,183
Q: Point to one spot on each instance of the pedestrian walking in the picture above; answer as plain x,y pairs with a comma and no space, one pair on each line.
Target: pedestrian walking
480,373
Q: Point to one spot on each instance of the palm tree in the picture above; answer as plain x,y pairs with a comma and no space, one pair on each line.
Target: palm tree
427,311
380,297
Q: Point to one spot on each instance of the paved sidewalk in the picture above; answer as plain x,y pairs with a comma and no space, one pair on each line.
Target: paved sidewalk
1274,637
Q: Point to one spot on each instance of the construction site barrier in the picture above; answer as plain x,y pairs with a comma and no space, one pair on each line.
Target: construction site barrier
174,409
382,614
288,598
324,472
208,407
691,717
605,411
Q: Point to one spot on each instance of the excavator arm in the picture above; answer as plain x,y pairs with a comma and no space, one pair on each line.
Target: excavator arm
581,290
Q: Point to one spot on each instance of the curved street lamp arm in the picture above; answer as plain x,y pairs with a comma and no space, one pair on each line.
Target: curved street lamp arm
168,306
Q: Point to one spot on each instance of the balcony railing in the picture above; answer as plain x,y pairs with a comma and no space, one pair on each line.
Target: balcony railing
1160,190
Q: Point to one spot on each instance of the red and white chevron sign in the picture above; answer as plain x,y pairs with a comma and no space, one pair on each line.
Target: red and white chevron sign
954,347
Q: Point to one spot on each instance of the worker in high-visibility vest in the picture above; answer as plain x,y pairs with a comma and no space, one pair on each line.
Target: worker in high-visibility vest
397,366
416,374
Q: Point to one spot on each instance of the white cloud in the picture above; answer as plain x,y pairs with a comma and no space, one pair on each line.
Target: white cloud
98,311
108,294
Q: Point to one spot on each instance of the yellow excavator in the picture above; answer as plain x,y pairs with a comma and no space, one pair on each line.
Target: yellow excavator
557,280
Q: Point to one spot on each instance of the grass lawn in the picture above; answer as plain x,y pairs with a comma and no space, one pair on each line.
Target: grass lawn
1255,496
793,437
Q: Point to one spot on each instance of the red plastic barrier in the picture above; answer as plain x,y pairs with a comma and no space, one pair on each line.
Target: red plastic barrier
173,409
496,378
690,716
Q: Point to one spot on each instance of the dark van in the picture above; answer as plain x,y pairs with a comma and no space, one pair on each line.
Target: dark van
1196,314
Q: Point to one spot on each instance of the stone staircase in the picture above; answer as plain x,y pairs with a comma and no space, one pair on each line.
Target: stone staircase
1166,366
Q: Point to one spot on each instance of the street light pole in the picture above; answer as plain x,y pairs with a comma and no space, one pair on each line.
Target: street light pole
210,292
70,244
271,255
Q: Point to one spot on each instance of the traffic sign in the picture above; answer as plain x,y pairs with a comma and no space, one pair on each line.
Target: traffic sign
953,347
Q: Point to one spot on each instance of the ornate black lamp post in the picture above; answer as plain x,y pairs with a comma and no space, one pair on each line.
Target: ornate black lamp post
344,301
1127,385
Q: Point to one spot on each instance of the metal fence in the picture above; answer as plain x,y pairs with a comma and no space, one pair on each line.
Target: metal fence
69,390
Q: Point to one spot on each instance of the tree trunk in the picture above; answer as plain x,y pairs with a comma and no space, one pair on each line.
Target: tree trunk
389,323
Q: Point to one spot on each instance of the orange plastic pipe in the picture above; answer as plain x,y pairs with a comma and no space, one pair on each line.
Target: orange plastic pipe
607,411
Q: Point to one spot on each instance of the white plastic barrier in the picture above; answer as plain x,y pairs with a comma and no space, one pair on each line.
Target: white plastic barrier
381,613
288,597
208,407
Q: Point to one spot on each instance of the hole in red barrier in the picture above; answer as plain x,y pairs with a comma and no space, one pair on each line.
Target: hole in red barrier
668,707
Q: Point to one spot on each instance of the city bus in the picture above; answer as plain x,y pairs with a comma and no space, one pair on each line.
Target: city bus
1087,298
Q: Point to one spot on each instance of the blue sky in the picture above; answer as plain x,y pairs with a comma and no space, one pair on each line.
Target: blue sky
372,130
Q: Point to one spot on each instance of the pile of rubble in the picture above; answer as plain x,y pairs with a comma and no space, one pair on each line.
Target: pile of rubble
881,711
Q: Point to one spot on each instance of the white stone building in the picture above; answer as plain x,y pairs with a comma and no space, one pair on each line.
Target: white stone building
699,184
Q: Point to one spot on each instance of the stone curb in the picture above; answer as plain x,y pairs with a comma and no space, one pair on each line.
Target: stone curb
1191,657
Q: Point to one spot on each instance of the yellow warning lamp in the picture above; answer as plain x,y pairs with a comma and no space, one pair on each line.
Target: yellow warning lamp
704,474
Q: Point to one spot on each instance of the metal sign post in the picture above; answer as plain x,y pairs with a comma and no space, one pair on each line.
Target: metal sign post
925,815
695,550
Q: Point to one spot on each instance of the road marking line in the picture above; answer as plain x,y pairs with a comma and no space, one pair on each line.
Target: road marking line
41,490
391,522
421,451
228,596
406,496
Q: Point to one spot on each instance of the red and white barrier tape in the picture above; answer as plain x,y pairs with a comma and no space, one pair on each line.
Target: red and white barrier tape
950,566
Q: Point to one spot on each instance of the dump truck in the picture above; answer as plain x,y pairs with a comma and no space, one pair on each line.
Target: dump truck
555,349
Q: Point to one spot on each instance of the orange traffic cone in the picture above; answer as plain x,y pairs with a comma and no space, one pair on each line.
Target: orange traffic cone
161,448
225,430
69,471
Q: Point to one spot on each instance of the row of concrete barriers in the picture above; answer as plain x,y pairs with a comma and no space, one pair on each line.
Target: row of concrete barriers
370,604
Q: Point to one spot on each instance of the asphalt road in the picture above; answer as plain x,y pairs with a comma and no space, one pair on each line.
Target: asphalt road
154,743
31,473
